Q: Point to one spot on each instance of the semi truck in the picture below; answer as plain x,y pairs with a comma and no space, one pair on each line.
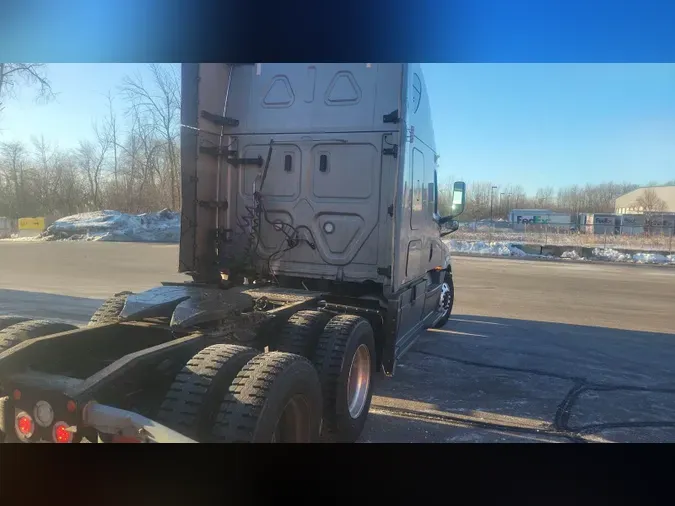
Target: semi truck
311,237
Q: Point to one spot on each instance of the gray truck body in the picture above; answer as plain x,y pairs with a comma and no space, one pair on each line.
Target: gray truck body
353,164
310,230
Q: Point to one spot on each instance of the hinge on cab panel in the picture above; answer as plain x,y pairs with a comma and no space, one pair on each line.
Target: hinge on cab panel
384,271
236,162
220,120
213,204
390,210
392,151
231,156
392,117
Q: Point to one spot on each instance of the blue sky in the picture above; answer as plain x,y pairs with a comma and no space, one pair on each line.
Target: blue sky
81,90
554,124
528,124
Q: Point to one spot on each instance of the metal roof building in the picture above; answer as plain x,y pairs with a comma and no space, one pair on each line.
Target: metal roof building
627,203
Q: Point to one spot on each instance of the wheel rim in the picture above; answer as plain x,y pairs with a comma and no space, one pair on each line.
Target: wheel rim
293,425
446,297
359,381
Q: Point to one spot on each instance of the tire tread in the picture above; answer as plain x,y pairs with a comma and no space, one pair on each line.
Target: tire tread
193,397
244,403
19,332
110,310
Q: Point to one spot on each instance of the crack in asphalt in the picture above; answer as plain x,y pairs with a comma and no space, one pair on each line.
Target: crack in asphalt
560,425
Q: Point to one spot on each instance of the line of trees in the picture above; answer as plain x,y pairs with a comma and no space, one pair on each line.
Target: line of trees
132,163
485,199
129,163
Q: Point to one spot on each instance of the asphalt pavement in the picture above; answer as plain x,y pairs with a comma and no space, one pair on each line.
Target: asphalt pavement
535,351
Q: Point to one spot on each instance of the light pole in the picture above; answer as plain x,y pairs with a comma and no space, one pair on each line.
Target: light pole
491,199
501,209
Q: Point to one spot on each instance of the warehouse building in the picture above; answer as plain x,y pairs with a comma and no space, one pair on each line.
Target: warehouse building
628,203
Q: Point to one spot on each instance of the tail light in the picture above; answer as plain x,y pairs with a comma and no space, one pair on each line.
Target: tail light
61,433
24,425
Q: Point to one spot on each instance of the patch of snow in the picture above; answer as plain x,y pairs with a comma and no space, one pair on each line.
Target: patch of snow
611,254
506,249
503,249
640,258
17,237
115,226
650,258
571,255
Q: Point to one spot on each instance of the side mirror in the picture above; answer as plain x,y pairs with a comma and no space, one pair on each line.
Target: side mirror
449,227
458,198
456,208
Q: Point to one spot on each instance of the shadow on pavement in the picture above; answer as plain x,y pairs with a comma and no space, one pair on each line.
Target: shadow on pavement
44,305
483,379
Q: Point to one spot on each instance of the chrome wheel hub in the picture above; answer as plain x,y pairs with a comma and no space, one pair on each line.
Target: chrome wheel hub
444,303
358,383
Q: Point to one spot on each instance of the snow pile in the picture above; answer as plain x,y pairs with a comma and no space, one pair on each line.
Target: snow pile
508,249
503,249
571,255
653,258
611,254
639,258
163,226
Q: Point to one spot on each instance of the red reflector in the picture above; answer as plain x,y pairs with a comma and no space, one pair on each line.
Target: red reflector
17,395
25,425
125,439
71,406
62,434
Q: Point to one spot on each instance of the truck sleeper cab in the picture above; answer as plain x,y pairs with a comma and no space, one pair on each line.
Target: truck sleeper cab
310,228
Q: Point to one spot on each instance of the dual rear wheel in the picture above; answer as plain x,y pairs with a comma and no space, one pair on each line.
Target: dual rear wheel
321,370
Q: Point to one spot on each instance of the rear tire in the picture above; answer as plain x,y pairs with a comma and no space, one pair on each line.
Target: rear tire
301,333
191,404
345,361
7,321
450,293
20,332
110,310
275,398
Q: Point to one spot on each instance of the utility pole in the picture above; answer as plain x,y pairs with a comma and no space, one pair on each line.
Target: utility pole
501,209
491,199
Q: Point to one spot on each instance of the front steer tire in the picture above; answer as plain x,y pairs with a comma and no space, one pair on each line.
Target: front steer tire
20,332
110,310
346,340
191,404
451,302
275,398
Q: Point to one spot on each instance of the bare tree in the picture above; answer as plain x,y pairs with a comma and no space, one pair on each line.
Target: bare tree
13,161
30,74
544,196
111,129
162,109
91,158
650,202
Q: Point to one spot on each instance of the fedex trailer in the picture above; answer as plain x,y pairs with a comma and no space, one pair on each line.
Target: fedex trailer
524,218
